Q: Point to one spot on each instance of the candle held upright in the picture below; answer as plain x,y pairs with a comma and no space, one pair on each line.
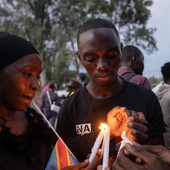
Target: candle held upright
106,148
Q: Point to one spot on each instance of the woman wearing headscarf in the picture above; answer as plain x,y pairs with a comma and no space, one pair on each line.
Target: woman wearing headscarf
26,141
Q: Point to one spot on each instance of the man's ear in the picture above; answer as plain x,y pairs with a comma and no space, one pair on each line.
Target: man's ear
134,58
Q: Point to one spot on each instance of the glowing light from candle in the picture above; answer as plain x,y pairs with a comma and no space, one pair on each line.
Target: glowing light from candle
97,142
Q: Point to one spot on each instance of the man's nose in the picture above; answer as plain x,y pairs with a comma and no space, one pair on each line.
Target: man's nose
102,64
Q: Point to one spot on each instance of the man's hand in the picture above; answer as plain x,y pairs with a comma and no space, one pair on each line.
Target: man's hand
150,160
120,119
138,128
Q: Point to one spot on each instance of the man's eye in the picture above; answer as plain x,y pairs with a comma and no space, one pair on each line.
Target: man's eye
112,54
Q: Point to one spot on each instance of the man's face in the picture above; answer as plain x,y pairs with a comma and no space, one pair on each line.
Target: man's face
100,53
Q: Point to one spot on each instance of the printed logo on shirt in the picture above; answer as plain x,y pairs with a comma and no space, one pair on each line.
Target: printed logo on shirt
83,128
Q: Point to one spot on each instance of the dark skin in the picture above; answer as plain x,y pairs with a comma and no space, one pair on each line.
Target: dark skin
101,61
120,119
148,157
20,82
100,53
135,63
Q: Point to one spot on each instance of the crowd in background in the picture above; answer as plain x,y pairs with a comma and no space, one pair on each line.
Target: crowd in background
52,94
116,92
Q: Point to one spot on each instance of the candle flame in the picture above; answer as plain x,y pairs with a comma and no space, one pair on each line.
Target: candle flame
103,126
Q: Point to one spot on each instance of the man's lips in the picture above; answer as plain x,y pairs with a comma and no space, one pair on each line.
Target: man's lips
104,77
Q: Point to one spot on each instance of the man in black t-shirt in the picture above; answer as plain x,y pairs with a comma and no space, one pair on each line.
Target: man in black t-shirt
100,52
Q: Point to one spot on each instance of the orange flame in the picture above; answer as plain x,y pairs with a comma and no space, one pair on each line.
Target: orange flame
103,127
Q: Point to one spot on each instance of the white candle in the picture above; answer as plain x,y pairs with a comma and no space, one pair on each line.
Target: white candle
125,138
96,146
106,148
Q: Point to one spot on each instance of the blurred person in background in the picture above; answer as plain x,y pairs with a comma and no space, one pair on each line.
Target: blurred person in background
50,94
163,95
81,78
44,90
132,66
72,86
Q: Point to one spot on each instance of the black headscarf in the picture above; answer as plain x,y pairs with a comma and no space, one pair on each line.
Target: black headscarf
12,48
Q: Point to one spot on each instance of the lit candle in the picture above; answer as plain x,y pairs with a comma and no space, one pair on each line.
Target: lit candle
96,144
106,148
125,138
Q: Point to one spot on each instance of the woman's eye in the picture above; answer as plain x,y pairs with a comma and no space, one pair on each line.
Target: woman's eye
27,73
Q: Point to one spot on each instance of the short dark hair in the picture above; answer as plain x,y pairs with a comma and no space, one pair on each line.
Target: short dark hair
93,24
82,76
52,86
165,69
74,85
128,51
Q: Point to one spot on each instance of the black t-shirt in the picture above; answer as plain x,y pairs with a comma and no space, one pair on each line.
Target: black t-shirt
81,114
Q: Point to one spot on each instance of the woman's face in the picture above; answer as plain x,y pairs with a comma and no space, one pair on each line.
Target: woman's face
19,82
